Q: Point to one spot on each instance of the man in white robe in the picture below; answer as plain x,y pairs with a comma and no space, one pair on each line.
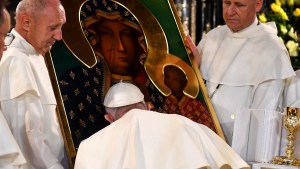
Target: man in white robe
11,156
292,87
292,91
26,94
145,139
292,99
244,63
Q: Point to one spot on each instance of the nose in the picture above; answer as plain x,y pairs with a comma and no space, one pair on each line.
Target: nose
58,35
118,44
231,9
4,48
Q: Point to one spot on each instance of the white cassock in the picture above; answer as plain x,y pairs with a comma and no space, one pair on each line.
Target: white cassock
244,70
144,139
29,105
11,156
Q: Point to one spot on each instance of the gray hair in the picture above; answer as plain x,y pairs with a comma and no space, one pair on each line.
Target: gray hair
115,110
31,7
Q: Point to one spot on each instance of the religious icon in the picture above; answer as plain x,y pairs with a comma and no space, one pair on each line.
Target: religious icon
138,41
178,103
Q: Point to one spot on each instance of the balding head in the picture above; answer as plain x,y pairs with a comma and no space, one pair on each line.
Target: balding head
39,22
32,7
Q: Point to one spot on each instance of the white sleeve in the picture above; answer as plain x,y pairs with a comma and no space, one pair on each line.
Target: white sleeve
268,95
10,153
26,120
292,91
80,157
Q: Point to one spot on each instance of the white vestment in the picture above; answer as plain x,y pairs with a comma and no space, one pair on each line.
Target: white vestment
11,156
292,91
246,69
144,139
29,105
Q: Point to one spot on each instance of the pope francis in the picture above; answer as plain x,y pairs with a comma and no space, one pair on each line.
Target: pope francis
142,139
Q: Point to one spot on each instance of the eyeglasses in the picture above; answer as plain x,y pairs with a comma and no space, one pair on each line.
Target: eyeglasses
9,37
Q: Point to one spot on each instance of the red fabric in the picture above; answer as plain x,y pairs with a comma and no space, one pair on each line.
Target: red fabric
190,108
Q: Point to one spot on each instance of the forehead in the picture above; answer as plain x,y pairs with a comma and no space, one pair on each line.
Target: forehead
173,70
238,1
52,15
112,23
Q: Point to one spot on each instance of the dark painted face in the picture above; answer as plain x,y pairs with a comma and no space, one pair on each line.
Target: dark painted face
118,44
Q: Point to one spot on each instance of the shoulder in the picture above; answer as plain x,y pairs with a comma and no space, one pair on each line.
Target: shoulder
15,56
269,42
217,31
215,35
15,63
268,34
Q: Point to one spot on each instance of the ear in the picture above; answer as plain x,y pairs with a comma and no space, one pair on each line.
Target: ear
110,118
258,4
149,106
25,22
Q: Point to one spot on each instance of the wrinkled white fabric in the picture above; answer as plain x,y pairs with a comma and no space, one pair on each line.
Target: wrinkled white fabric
250,68
29,105
144,139
11,156
257,133
292,91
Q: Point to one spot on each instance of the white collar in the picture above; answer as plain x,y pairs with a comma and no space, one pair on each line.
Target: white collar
255,23
19,40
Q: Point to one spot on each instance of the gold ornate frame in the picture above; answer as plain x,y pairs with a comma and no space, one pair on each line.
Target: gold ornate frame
158,56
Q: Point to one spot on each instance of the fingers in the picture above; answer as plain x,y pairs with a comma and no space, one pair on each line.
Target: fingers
196,55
